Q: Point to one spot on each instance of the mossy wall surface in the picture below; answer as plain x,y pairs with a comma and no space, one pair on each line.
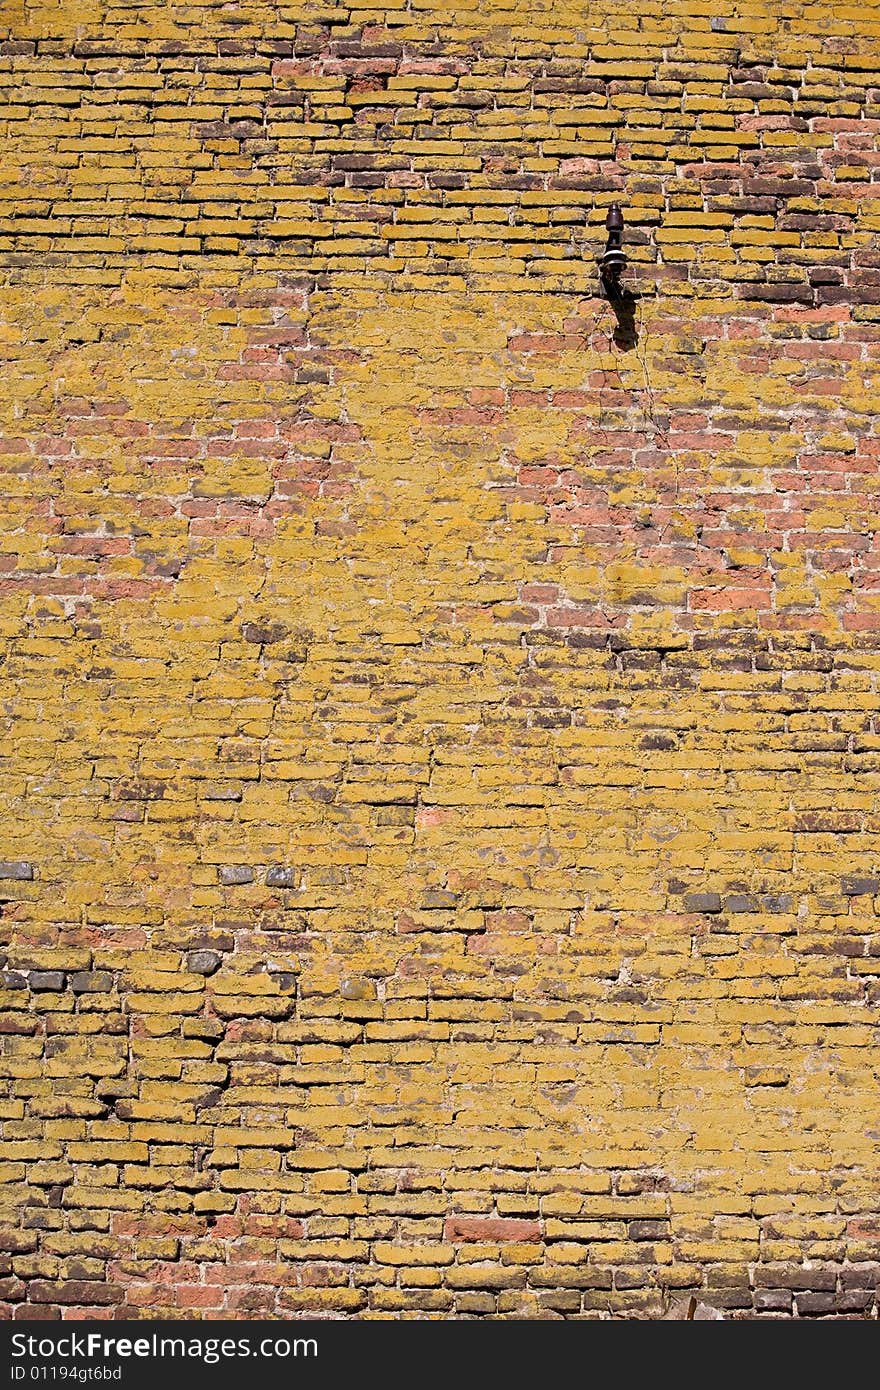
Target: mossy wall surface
438,783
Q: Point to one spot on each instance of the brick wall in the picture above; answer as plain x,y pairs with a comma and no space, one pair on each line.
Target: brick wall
441,716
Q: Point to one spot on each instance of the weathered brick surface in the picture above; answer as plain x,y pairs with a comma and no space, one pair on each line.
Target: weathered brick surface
438,834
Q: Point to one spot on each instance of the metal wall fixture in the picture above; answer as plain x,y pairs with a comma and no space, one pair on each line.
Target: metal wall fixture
613,259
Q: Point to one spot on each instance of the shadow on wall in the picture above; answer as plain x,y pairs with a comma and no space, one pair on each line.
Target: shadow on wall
624,305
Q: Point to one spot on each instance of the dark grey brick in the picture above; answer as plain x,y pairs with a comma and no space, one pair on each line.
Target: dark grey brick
795,1277
853,887
285,979
439,897
46,980
263,634
16,868
91,982
816,1303
203,962
236,873
777,902
861,1276
773,1300
648,1230
280,877
741,902
854,1300
702,902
